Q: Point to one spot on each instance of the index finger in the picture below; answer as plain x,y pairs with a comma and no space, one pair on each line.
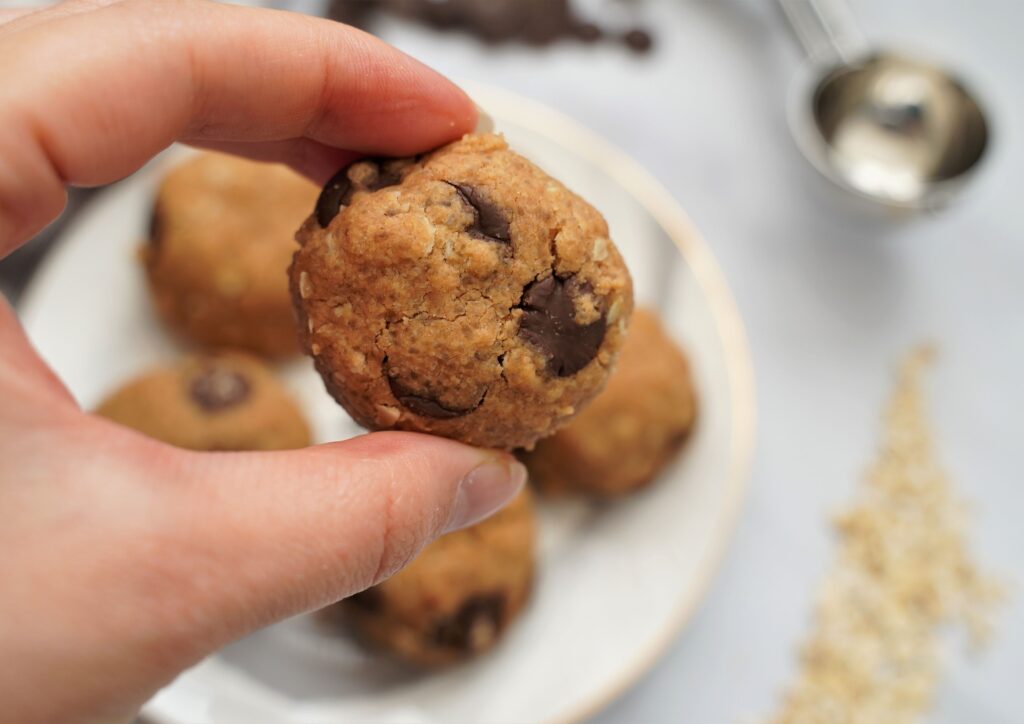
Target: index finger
89,97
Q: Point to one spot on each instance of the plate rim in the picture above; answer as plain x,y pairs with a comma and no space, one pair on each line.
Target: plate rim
667,212
656,199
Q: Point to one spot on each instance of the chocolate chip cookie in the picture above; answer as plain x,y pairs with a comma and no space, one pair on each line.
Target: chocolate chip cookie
465,293
459,595
222,236
227,401
632,429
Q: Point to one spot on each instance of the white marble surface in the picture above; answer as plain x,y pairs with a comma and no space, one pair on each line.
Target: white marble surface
831,301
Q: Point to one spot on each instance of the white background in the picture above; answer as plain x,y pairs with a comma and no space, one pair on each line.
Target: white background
831,300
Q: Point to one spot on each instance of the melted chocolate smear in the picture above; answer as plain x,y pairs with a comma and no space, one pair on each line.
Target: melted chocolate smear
535,22
549,324
489,222
215,389
339,190
474,626
426,406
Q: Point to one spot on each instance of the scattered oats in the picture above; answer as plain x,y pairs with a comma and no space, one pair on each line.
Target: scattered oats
902,571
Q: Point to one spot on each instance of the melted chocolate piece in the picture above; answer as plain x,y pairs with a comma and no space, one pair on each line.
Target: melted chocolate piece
490,222
474,626
215,389
549,324
426,406
637,40
339,190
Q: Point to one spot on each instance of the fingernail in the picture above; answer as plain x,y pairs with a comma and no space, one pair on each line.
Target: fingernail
484,122
485,490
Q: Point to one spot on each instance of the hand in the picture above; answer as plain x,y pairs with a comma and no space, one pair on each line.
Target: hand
122,560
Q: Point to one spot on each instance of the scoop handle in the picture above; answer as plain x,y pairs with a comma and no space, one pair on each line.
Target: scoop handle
827,29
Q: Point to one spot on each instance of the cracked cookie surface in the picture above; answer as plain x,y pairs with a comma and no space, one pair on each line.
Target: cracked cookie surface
464,293
635,427
222,235
457,598
224,401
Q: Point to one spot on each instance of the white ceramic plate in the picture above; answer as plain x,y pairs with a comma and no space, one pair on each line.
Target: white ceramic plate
616,584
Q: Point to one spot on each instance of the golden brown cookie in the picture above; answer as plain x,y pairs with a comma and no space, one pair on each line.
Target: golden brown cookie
226,401
632,429
459,595
465,293
222,237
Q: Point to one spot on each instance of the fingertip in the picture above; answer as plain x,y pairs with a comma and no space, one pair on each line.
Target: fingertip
465,113
485,490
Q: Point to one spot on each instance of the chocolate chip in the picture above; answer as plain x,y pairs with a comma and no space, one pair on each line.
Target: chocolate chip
215,389
426,406
549,324
339,190
489,221
156,225
336,193
368,600
637,40
475,626
387,173
351,12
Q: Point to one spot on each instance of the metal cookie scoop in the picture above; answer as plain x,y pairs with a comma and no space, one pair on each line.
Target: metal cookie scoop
895,130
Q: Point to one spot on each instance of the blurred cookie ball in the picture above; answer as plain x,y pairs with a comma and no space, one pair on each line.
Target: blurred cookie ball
221,239
632,429
457,598
227,401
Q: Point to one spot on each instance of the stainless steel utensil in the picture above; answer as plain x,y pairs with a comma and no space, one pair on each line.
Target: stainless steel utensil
891,129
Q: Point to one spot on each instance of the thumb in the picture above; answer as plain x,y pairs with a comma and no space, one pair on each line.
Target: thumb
251,538
135,559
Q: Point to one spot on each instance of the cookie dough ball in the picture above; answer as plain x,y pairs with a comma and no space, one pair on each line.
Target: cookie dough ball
465,293
227,401
632,429
222,237
457,598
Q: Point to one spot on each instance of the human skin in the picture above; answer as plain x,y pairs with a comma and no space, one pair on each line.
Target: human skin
123,560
